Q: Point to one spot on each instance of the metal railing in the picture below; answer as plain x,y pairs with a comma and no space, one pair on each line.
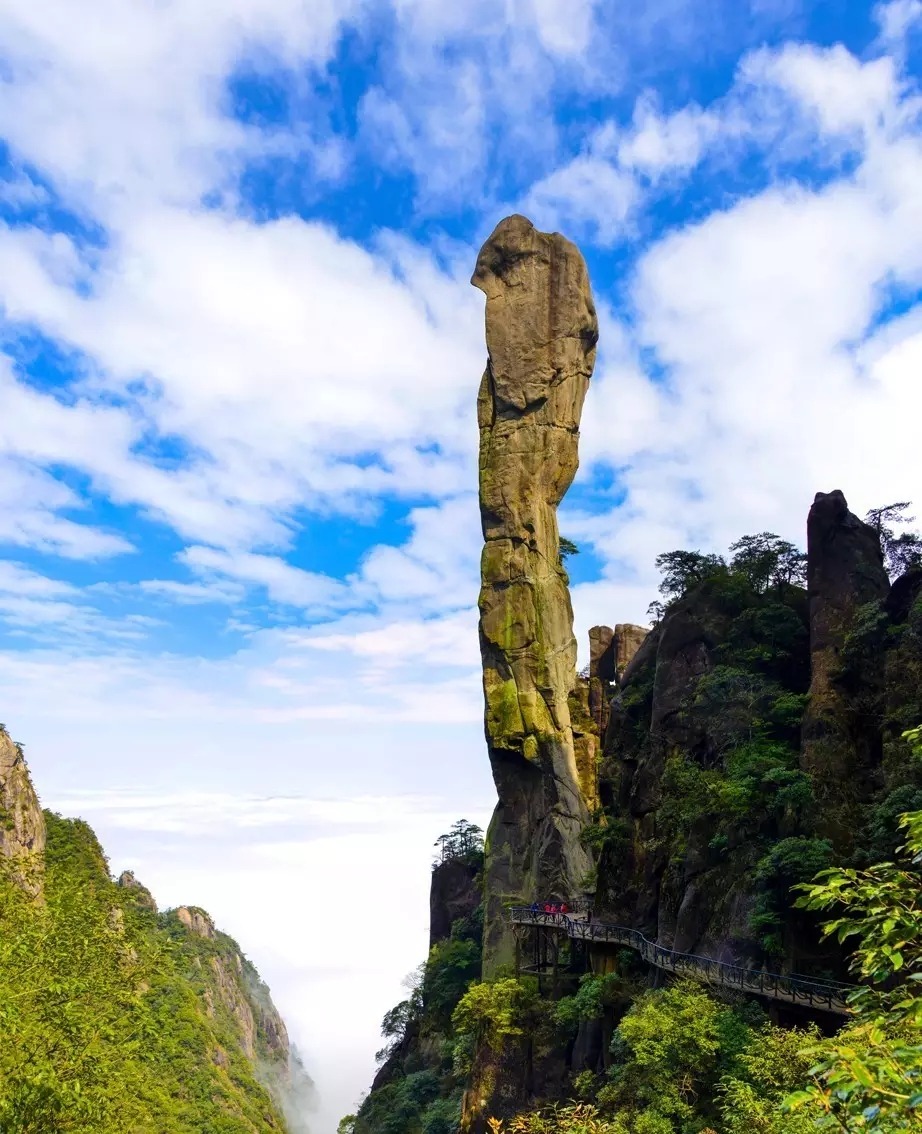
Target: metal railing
814,992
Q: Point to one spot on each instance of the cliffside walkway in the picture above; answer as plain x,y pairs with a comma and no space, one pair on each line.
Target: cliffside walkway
811,992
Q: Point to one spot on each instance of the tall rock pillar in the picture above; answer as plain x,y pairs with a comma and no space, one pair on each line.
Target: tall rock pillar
541,331
840,750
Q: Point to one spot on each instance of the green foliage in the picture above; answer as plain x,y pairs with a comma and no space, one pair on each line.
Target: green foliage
450,969
901,550
103,1027
606,832
881,836
567,548
73,851
578,1118
442,1116
493,1011
464,841
789,863
410,1105
759,783
740,706
671,1048
773,1064
682,570
763,563
594,995
768,562
871,1075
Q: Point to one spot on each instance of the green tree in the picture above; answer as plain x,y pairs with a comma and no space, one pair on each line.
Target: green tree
463,840
768,561
870,1077
771,1066
670,1049
900,550
682,570
567,548
493,1011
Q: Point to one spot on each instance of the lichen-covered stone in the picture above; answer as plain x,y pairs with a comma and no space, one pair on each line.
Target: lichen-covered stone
541,331
22,825
844,571
586,742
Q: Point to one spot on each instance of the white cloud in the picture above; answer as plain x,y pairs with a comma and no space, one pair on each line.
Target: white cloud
36,608
589,193
222,590
777,381
844,93
30,503
124,99
284,583
279,371
659,143
895,20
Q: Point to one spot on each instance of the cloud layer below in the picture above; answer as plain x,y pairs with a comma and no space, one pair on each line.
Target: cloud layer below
238,366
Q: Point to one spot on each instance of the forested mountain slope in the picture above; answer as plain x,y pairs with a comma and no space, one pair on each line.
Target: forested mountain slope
115,1018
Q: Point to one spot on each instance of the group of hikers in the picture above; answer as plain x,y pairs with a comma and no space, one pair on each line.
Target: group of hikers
550,907
554,908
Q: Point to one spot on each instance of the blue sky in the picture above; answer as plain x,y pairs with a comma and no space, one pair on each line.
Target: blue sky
239,539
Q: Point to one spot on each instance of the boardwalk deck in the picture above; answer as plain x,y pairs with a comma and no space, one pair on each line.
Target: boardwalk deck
826,995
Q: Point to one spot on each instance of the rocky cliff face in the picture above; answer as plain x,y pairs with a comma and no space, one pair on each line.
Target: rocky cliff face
541,331
22,827
840,752
745,747
455,893
610,653
658,871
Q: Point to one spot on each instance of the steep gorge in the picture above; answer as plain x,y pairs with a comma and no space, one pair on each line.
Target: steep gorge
116,1017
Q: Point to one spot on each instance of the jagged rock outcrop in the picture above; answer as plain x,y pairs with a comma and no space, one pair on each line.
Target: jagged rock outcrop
196,921
22,826
840,752
454,893
610,653
541,331
140,894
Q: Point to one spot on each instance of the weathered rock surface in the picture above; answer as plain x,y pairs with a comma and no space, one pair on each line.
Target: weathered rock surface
541,331
610,653
586,741
196,921
453,894
628,639
698,898
844,571
139,893
22,825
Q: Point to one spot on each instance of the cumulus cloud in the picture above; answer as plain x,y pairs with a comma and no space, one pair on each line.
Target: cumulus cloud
779,372
228,376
